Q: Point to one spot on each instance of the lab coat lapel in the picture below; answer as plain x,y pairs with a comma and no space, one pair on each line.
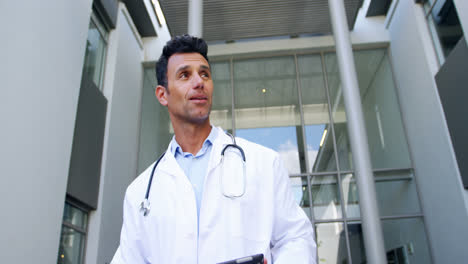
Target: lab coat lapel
220,142
169,164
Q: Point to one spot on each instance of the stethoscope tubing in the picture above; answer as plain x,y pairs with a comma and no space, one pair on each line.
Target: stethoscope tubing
145,205
151,176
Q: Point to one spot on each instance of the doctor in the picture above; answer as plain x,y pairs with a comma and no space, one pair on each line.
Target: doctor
203,209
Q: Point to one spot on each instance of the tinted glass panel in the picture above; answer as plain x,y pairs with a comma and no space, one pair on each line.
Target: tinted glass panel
325,197
221,111
331,243
320,151
405,241
95,55
267,110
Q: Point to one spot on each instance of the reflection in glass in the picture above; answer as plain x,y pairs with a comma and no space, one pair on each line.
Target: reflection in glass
387,141
395,190
94,55
338,112
267,110
405,241
350,195
356,242
325,197
315,108
320,148
221,111
71,246
331,243
75,216
281,139
406,237
445,19
396,193
301,193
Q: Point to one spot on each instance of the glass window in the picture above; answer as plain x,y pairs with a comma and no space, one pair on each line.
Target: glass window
320,150
405,241
73,235
444,25
350,195
396,193
331,243
95,52
325,197
267,109
75,216
221,111
281,139
387,141
395,189
338,113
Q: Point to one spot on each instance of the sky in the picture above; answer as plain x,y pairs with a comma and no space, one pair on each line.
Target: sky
284,141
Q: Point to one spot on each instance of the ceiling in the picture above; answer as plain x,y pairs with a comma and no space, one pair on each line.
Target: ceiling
227,20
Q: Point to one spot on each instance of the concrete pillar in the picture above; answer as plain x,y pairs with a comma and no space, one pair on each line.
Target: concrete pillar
195,18
371,226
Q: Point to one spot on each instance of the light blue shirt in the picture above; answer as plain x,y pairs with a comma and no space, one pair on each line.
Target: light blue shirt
195,167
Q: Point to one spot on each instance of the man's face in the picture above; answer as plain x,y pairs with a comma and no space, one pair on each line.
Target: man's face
190,88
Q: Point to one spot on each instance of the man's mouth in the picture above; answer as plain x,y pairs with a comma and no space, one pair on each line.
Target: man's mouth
200,98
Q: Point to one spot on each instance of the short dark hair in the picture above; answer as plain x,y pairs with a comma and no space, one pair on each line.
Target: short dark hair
178,44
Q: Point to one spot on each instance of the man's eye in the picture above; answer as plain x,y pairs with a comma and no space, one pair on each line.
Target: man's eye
183,75
205,75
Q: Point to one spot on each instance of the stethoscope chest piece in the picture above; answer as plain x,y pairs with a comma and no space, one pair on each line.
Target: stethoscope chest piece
145,207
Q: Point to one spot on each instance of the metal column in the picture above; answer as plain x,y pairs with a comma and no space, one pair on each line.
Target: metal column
195,18
372,229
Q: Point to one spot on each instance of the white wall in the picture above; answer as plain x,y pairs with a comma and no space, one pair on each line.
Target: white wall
437,176
123,84
42,52
153,45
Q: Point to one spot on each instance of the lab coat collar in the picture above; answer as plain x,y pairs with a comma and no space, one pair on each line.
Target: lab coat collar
170,166
220,142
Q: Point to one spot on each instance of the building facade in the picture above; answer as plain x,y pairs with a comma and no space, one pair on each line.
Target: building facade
80,120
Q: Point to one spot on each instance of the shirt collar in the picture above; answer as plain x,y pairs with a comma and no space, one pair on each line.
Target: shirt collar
176,149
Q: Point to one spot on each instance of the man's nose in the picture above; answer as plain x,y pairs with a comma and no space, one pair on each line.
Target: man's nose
197,81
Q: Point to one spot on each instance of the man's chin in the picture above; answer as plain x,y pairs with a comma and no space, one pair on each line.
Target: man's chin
200,119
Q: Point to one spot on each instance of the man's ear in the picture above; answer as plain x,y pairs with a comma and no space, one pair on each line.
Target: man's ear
161,94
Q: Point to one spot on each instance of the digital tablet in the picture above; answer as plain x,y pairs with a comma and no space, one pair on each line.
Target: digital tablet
254,259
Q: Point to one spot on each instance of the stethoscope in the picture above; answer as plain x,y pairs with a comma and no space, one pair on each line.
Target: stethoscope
145,204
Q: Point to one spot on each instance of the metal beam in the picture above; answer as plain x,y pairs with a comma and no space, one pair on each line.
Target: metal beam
195,18
371,225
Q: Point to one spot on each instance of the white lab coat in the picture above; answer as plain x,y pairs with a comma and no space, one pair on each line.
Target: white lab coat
266,219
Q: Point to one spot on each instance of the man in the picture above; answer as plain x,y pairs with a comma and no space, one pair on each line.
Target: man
200,211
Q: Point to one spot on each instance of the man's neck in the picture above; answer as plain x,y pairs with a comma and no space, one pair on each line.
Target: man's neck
190,137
